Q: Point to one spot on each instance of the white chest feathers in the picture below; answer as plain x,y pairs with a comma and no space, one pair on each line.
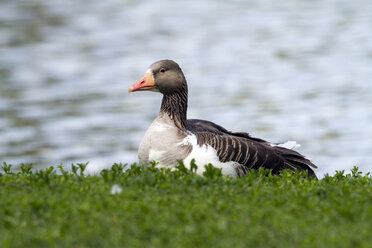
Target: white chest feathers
166,144
160,144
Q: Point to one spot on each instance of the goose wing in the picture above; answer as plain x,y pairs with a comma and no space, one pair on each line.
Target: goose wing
248,152
196,125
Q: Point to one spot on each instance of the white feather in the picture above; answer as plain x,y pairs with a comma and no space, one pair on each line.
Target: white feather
156,155
204,155
160,126
115,189
289,145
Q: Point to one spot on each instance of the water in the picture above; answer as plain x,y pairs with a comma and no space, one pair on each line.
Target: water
299,70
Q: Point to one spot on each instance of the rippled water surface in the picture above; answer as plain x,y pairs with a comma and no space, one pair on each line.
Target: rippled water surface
293,70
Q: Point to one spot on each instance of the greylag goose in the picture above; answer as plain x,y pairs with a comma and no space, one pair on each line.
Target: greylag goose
172,137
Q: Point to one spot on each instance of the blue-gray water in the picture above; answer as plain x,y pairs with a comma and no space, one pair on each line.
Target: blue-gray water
293,70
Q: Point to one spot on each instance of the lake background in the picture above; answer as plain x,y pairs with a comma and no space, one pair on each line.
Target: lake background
294,70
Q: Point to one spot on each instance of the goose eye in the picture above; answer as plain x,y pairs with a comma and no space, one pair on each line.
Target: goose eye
162,70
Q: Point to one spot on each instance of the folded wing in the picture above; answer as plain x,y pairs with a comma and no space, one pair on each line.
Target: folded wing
248,152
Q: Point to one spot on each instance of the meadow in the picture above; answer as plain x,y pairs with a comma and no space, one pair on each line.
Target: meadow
142,206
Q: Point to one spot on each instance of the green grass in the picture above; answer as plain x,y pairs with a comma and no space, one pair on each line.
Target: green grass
162,208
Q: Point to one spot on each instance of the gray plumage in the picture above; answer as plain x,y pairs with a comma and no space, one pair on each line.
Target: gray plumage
164,138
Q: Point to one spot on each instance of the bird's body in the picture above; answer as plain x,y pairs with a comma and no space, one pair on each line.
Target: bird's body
162,143
171,137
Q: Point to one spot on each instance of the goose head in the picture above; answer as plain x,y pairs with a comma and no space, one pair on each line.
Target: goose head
164,76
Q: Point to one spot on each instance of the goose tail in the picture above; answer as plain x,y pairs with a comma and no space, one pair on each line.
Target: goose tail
294,160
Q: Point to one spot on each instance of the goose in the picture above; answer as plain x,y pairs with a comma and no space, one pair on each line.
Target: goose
172,137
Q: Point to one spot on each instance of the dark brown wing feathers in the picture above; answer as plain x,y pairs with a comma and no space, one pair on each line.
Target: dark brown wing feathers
246,151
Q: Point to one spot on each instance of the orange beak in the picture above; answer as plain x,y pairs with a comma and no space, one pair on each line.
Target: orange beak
145,83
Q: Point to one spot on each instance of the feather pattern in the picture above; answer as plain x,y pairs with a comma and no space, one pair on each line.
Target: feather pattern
247,151
179,138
